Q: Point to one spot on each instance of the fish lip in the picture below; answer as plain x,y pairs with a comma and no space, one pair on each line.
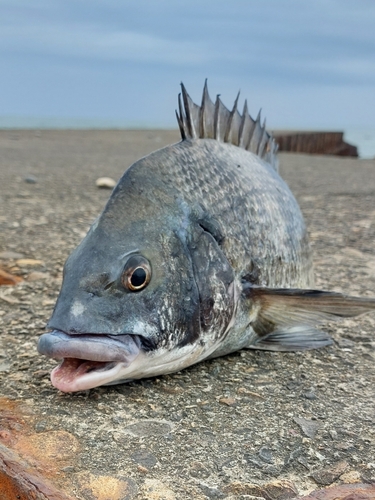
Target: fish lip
90,346
88,360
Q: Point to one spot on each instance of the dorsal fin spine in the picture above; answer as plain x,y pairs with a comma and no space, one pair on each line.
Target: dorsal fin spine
244,121
188,112
180,118
202,125
229,130
263,140
215,121
216,118
252,131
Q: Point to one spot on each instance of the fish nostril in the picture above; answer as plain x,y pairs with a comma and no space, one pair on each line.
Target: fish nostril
95,284
108,285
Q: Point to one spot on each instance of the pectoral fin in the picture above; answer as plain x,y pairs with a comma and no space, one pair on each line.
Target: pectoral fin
284,319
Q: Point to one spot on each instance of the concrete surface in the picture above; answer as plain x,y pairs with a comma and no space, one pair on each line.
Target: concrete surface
249,425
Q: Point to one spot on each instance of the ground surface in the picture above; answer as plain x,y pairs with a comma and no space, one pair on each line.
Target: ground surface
211,430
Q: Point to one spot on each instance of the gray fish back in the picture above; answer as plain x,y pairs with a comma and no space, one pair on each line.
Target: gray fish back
214,121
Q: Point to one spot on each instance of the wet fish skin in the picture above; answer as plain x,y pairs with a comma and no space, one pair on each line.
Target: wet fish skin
166,225
227,247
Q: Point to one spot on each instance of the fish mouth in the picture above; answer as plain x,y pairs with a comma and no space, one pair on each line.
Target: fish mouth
88,360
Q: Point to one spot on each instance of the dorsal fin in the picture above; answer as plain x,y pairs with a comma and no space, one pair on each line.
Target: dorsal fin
214,121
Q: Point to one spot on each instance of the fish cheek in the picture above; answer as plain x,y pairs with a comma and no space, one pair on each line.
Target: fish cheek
213,276
177,297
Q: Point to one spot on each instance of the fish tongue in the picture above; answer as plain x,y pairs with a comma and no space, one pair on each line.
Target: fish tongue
64,376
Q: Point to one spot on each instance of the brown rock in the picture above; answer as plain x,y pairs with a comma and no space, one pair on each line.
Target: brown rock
8,278
279,490
350,477
227,401
275,490
238,488
329,474
19,480
97,487
343,492
156,490
243,390
49,446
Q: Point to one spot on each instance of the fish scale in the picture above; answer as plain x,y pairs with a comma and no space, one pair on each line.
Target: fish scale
251,223
201,250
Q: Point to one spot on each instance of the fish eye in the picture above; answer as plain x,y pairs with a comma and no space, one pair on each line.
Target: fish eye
136,274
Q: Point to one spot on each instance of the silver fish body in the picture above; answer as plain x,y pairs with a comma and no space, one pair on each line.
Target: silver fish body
200,251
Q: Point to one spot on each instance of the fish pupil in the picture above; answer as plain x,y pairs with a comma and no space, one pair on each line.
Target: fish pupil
138,277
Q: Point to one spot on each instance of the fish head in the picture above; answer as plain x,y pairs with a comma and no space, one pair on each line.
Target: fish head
141,295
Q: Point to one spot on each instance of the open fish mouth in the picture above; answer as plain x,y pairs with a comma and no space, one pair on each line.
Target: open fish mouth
88,360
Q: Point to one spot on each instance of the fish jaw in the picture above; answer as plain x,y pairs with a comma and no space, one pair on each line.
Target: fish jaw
88,360
73,374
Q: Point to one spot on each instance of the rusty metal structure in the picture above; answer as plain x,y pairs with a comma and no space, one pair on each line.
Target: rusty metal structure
320,143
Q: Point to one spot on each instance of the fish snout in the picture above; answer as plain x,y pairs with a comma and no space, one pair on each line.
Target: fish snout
103,348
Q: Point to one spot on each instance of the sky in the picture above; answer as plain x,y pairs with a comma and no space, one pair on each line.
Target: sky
115,63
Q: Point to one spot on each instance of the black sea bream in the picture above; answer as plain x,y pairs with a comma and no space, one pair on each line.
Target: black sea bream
200,251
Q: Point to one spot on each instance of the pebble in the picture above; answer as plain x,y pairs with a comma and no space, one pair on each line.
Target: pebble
31,179
309,427
4,366
37,276
149,428
153,489
198,470
266,455
29,262
227,401
9,255
309,395
211,492
351,476
105,183
144,458
142,469
41,426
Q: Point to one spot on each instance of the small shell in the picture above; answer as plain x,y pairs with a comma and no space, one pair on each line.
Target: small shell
105,183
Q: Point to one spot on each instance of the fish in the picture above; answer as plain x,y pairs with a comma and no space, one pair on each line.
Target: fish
200,251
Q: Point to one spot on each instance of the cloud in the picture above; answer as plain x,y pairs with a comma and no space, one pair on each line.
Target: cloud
84,57
92,41
320,41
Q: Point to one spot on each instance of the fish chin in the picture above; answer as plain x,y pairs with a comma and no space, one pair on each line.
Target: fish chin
79,375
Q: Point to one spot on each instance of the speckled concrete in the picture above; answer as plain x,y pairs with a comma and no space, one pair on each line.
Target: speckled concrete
252,423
